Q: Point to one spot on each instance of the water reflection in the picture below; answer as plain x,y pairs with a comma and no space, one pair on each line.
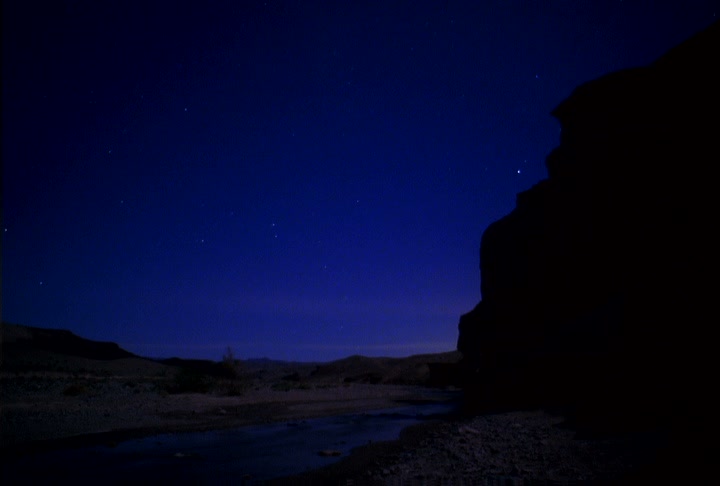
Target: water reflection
243,455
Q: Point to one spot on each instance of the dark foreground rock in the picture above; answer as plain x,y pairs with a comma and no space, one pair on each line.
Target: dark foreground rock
512,448
598,290
597,304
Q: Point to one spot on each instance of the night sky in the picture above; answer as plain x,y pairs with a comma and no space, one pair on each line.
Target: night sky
298,180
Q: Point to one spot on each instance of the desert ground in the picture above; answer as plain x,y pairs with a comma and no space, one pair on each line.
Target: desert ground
51,400
49,397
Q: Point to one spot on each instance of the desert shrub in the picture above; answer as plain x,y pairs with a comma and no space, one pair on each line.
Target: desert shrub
136,387
204,376
370,377
231,388
229,367
326,386
75,390
189,381
285,385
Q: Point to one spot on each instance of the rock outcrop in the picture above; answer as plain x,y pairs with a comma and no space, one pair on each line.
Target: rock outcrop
598,290
23,341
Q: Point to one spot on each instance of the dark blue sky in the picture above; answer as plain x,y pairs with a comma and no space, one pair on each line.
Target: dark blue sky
293,179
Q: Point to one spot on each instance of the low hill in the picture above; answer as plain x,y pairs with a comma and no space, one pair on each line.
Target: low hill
29,349
35,349
412,370
59,341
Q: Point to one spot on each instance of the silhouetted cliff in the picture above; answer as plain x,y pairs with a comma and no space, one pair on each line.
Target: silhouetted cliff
16,340
598,288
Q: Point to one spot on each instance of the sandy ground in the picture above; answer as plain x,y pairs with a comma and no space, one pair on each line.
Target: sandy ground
44,411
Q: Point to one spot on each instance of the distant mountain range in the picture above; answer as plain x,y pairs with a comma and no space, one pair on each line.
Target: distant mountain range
25,348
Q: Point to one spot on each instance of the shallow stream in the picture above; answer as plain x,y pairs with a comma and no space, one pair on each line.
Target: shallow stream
244,455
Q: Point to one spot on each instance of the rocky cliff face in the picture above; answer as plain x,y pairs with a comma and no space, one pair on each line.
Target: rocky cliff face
599,288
